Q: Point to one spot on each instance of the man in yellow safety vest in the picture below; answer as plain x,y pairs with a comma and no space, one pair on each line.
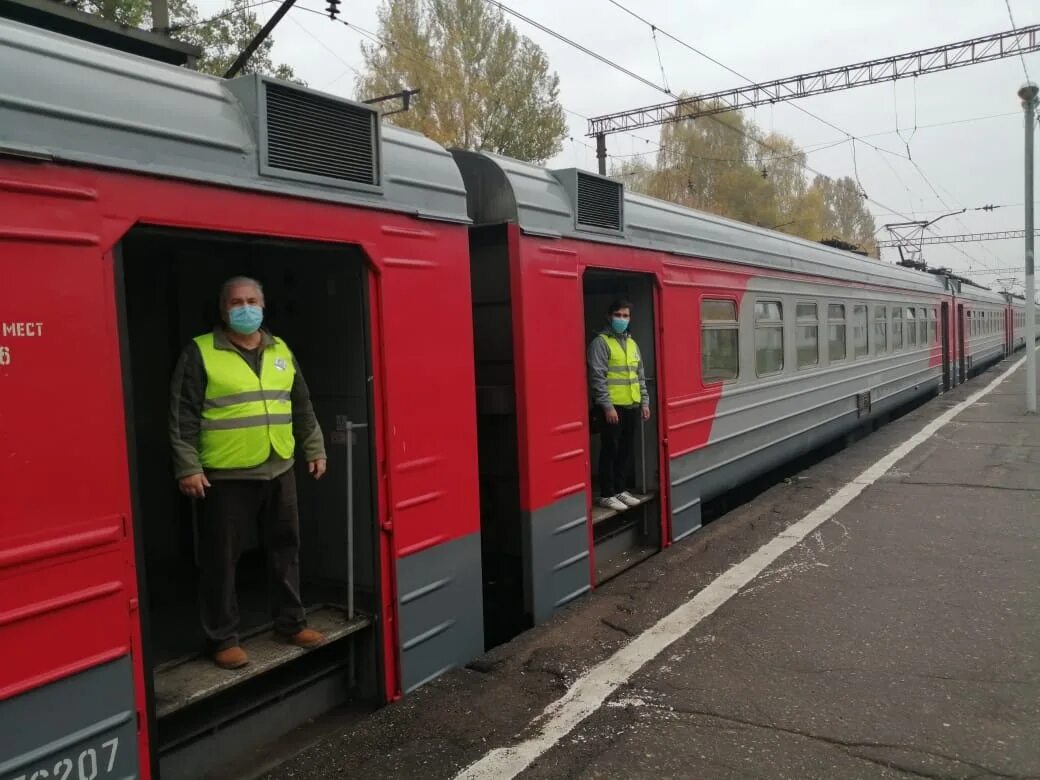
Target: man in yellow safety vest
239,411
618,387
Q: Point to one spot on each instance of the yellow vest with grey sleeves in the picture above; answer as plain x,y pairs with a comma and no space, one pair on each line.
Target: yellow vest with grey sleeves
245,416
622,371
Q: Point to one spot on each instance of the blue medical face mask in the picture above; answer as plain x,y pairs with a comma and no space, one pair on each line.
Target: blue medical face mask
245,319
619,324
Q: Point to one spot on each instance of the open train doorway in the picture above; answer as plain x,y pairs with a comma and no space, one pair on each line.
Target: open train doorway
316,300
623,449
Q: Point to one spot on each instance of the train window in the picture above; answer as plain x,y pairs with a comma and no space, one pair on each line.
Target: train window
911,328
933,332
880,330
807,335
769,337
897,328
922,327
836,331
860,348
719,340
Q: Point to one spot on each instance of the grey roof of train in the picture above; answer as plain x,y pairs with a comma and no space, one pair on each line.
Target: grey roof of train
506,190
67,100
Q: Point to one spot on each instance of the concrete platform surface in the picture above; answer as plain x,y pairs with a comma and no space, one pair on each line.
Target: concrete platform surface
898,638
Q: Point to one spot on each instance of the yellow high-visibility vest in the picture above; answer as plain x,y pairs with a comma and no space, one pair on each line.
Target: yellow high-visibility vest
244,415
622,371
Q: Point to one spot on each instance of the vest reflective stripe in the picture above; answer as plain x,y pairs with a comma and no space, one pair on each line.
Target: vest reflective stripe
622,371
250,395
245,416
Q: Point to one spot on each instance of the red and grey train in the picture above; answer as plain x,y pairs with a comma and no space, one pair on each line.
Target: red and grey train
439,304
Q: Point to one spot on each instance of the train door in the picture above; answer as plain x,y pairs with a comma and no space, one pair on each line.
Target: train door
962,347
624,456
316,299
947,358
1009,331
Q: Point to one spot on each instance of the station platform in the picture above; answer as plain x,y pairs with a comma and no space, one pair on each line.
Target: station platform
876,615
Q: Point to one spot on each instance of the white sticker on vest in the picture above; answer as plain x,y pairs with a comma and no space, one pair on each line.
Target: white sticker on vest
280,364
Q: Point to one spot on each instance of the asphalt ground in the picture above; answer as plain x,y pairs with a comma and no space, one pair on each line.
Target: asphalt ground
900,638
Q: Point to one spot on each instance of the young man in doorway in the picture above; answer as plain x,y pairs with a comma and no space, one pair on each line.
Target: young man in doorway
618,386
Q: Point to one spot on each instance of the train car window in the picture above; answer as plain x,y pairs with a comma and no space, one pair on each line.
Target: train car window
933,327
922,327
769,337
807,335
860,347
836,331
880,330
897,328
911,328
720,340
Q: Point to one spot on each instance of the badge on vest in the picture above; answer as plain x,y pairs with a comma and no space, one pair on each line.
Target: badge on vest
280,364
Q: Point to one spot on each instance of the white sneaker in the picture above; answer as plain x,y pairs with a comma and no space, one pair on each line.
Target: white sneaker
627,499
612,502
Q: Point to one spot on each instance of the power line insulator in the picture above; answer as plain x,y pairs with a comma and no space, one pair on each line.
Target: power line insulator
333,8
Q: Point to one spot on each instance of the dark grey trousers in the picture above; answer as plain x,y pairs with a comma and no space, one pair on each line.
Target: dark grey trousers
231,508
615,449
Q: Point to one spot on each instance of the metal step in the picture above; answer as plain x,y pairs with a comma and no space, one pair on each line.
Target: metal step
601,513
187,681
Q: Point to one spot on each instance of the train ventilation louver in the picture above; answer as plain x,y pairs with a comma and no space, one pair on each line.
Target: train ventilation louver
599,202
315,136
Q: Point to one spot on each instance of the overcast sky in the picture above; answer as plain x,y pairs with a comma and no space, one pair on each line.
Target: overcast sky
970,164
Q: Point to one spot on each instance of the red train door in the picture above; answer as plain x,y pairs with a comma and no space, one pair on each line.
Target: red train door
947,358
961,345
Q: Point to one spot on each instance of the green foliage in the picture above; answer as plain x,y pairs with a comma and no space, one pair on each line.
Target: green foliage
221,39
714,164
483,85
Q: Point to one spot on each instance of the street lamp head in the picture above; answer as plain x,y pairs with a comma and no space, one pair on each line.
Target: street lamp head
1028,91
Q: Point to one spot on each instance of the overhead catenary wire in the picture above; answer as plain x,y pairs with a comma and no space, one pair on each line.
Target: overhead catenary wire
216,18
595,55
1014,27
736,73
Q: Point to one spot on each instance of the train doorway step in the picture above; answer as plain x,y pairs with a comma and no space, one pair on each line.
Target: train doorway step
181,683
601,514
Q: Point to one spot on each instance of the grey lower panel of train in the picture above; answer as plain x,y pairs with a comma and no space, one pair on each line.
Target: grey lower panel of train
556,552
712,470
81,726
441,612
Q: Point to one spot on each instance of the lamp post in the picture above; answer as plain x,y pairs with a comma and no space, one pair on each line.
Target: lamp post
1028,94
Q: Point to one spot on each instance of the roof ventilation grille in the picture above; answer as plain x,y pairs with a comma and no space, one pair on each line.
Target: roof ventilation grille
315,136
599,202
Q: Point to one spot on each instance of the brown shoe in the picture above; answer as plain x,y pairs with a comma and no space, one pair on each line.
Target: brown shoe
308,638
231,658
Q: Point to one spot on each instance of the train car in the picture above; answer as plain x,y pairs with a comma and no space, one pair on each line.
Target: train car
983,315
757,346
129,190
1015,322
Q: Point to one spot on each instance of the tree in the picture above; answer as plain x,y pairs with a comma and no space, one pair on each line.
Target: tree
724,165
847,217
221,38
483,85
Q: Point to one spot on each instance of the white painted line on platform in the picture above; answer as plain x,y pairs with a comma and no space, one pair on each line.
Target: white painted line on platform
593,688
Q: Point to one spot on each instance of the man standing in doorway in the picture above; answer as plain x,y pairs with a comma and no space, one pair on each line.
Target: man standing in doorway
239,410
618,386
